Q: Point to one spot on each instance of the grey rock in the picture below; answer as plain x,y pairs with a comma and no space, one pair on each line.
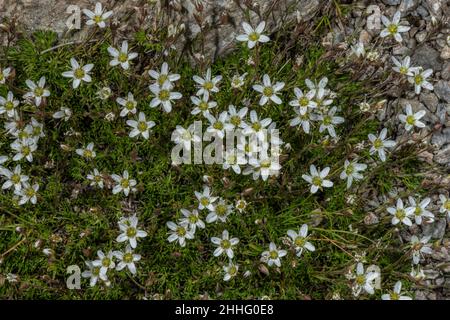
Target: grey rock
446,71
435,6
408,5
430,100
436,229
443,156
442,90
442,110
426,57
391,2
445,53
422,11
421,36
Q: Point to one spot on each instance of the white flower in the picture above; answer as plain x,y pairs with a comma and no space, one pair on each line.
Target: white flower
238,81
253,36
319,89
64,112
24,149
123,183
420,247
256,127
208,84
236,118
94,274
328,122
420,211
164,75
4,74
128,103
164,96
412,119
205,199
97,17
3,159
401,214
202,104
316,179
13,178
241,204
380,143
358,49
404,67
179,232
231,161
269,91
104,93
121,56
263,166
303,101
8,105
28,193
396,294
220,125
78,73
140,126
351,171
185,136
299,240
96,178
364,280
37,91
35,129
127,259
220,212
445,204
87,152
393,28
273,255
130,232
104,262
419,79
192,218
230,270
302,120
224,245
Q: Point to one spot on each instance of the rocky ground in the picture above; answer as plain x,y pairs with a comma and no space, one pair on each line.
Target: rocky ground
427,43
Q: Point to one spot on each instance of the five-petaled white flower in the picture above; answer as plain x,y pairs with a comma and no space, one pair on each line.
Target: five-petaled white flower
224,244
302,120
230,270
24,149
4,74
87,152
13,178
186,136
207,85
273,255
395,294
220,125
420,210
358,49
445,204
179,232
268,91
238,80
28,193
63,113
319,89
419,79
78,73
122,56
393,28
253,35
128,103
205,199
241,204
37,91
130,232
127,259
263,166
380,143
203,104
123,183
364,280
303,101
8,105
300,240
164,75
401,214
94,274
104,261
236,118
192,218
256,127
96,178
97,17
328,121
140,126
404,67
316,179
351,172
232,160
220,212
164,96
419,247
411,119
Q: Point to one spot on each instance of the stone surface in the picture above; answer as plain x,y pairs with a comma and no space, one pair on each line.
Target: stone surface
442,90
427,57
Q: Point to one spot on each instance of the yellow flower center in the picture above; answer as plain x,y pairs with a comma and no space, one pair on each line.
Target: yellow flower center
235,120
218,125
142,126
410,120
193,218
392,28
98,19
164,95
317,181
273,254
123,57
226,244
38,92
256,126
181,231
129,105
221,209
268,91
9,105
400,214
378,143
162,79
106,262
299,241
203,106
128,257
15,178
204,201
131,232
208,85
418,79
79,73
125,183
254,36
303,101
